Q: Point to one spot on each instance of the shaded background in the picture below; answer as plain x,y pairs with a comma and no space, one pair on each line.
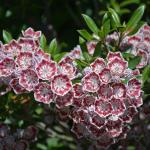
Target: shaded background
58,18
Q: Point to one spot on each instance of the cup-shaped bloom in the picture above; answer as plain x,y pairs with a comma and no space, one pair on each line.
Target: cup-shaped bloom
43,93
46,69
91,82
28,79
24,60
61,84
98,65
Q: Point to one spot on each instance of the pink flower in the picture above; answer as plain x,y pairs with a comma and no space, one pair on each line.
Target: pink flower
91,47
103,108
118,107
105,75
117,66
78,130
43,93
31,33
77,90
7,67
24,60
28,45
62,101
113,55
61,85
144,58
40,55
12,48
105,92
98,65
67,69
98,121
46,69
91,82
134,87
17,88
28,79
119,90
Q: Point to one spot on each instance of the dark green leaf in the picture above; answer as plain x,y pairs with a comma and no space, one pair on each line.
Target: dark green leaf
127,55
59,56
115,17
135,18
81,40
81,64
139,25
146,73
106,27
128,2
90,23
53,47
97,51
87,57
105,17
7,36
133,62
85,34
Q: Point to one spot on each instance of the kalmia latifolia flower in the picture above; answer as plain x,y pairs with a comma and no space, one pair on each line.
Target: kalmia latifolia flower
140,45
43,93
28,79
61,84
100,103
46,69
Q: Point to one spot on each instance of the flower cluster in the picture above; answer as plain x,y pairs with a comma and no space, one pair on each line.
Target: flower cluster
100,105
140,43
18,139
106,100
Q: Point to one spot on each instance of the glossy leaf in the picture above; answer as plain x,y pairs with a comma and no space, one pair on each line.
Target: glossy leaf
85,34
146,73
43,41
7,36
53,47
136,17
90,23
115,17
133,62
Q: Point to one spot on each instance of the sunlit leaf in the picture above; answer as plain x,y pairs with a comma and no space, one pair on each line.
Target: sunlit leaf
90,23
7,36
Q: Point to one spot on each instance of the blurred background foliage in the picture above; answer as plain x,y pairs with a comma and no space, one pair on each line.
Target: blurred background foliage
61,19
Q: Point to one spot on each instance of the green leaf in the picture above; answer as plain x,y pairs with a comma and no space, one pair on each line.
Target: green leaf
59,56
105,17
139,25
97,51
135,18
43,42
128,2
87,57
127,55
90,23
53,47
81,64
81,40
7,36
106,27
115,17
133,62
85,34
146,73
